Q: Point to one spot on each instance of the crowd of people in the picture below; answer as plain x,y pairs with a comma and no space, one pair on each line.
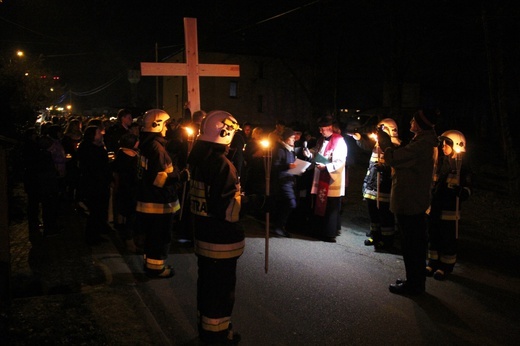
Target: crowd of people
193,179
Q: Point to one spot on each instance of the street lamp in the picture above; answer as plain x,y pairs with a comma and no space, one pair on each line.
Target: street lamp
268,158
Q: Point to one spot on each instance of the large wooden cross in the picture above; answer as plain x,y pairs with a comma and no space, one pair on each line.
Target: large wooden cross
191,69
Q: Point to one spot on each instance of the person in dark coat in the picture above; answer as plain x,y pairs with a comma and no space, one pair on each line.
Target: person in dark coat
30,159
127,170
95,179
121,127
283,182
412,177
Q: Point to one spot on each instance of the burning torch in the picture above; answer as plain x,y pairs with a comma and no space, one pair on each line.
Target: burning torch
458,167
190,133
268,158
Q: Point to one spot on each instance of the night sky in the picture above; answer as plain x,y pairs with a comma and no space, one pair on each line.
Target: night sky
437,44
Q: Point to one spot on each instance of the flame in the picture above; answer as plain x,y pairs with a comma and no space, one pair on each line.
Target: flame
189,130
373,136
265,143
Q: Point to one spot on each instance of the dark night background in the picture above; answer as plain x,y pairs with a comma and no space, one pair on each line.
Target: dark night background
462,54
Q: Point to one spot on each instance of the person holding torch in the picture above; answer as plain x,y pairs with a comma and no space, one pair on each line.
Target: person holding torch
451,187
412,176
377,185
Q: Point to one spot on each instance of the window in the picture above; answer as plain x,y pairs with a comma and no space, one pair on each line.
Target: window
233,89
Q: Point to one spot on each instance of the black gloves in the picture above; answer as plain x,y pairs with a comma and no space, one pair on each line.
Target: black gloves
383,139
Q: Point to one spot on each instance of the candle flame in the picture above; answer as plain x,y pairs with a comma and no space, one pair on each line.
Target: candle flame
373,136
265,143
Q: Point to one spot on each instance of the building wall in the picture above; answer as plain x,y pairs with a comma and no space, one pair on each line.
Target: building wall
268,90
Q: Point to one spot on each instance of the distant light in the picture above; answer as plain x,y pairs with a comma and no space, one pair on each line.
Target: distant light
51,89
20,53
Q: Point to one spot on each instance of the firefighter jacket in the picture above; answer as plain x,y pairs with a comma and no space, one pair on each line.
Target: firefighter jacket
215,202
451,187
377,170
412,173
157,188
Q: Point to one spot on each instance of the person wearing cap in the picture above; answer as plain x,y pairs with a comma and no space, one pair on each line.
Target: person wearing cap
276,134
412,177
329,180
283,182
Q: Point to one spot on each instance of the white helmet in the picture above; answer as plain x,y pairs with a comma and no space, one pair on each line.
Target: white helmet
454,139
154,120
218,127
389,126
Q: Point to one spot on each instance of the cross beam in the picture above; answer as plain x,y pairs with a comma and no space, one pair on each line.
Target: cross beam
191,69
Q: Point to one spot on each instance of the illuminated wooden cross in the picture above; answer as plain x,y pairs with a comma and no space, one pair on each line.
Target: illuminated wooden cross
191,69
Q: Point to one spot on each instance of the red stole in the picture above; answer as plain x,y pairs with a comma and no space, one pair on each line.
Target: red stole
324,179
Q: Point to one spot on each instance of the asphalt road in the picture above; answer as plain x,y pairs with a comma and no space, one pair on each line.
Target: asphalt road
317,293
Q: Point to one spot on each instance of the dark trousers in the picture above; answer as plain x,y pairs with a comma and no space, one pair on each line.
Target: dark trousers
158,234
414,245
382,217
329,224
33,205
97,204
285,203
443,242
215,295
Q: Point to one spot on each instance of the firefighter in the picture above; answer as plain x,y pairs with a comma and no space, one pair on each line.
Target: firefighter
219,242
451,187
157,201
377,185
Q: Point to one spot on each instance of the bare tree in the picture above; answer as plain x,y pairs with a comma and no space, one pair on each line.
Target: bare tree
493,34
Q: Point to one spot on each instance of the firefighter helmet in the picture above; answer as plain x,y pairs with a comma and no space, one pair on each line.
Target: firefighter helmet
389,126
218,127
154,120
454,139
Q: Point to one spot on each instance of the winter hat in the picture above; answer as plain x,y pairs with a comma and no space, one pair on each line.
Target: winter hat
287,132
425,119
